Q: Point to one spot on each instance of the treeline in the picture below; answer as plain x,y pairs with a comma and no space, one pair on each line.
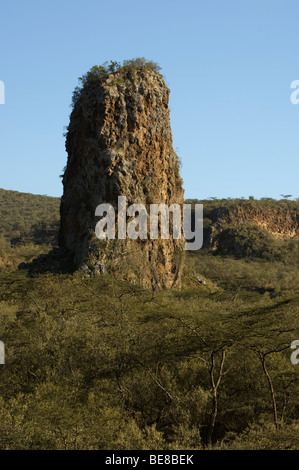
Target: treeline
249,203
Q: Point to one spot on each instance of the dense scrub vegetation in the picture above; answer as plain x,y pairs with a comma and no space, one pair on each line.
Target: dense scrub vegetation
94,363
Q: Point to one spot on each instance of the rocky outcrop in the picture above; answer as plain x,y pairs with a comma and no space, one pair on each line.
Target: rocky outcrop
119,143
242,231
281,223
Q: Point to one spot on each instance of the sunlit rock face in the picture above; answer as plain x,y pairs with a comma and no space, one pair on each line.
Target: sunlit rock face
119,143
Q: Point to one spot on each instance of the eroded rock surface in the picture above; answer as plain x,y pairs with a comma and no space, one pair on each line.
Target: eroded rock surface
119,143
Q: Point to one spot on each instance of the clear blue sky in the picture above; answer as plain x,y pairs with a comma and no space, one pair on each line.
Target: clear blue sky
228,63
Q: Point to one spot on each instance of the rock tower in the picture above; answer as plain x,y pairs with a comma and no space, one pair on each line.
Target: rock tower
119,143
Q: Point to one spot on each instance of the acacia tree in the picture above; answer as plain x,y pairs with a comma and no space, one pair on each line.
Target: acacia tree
262,358
267,335
213,339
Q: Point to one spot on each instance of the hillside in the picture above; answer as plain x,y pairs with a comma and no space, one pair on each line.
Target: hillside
27,216
29,226
96,363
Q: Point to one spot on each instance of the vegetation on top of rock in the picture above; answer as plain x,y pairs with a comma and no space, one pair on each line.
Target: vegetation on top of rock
101,72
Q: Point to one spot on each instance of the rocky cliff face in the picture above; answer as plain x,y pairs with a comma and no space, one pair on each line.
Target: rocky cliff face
119,143
281,223
266,232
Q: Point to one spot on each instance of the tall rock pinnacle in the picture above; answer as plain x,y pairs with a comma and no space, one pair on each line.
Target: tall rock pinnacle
119,143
